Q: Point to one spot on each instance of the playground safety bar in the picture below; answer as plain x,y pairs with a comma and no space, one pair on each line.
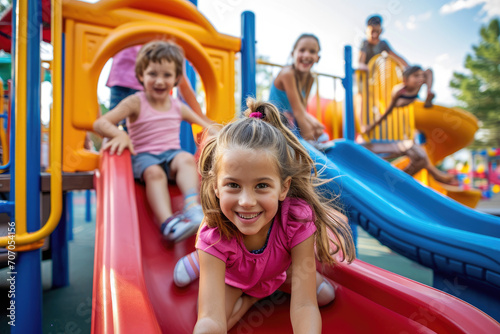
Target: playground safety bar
33,240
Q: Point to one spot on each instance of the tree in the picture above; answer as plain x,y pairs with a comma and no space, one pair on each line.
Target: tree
479,90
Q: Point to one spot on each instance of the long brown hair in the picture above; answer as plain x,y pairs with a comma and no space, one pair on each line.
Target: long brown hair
270,133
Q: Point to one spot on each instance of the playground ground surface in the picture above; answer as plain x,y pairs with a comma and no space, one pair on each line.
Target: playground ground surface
68,310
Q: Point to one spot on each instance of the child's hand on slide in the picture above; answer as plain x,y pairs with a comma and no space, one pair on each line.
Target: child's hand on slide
118,144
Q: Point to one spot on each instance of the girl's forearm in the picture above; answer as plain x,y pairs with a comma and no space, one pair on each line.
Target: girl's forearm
306,319
299,115
208,326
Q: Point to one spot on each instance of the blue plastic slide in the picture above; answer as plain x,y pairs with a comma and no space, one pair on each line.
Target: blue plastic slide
460,245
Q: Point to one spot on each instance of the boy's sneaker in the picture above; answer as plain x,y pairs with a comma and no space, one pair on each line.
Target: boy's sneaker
178,227
187,269
194,214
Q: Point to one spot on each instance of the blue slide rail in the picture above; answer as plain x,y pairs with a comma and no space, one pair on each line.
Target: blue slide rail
460,245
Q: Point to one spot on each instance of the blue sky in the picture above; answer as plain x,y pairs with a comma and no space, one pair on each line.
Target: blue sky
436,34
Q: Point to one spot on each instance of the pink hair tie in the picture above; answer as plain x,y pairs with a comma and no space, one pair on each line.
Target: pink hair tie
256,115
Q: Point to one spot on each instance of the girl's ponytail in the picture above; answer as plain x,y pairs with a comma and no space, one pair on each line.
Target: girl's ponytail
270,114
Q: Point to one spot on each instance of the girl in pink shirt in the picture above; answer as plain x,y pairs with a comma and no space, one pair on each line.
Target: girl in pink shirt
264,225
153,120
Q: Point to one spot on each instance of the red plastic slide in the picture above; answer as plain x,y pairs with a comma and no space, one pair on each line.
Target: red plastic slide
134,293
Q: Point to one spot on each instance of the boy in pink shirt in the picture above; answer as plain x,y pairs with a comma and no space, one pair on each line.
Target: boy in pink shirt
153,119
122,80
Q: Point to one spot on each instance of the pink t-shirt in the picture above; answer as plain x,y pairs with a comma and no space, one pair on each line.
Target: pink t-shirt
122,71
156,131
259,275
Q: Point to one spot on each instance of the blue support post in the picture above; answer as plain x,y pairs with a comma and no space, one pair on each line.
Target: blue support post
191,75
187,140
88,205
59,247
248,62
68,202
348,124
28,299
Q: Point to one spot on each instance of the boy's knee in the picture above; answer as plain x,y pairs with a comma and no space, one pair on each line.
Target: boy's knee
184,158
154,173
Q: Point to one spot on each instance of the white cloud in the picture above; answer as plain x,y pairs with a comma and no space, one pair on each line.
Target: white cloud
399,25
457,5
442,58
412,23
413,20
490,8
425,16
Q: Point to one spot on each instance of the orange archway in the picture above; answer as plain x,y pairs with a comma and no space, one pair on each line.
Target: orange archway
95,32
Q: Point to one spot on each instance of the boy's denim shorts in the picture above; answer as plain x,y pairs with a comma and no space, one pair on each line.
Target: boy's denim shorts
143,160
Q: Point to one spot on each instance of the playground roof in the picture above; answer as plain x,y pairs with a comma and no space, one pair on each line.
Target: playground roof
6,26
